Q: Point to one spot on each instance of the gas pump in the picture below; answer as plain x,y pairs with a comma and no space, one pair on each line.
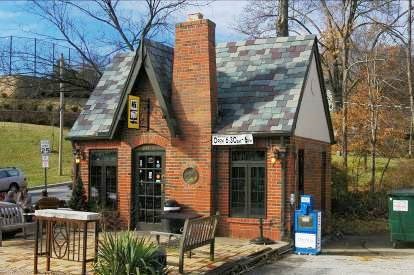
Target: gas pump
308,225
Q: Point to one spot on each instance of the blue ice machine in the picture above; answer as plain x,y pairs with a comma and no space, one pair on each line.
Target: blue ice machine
308,226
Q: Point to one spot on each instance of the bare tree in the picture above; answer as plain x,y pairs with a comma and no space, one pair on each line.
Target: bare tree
120,31
282,21
340,20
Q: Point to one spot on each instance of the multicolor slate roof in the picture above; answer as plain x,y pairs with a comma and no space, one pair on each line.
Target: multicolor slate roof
259,86
260,82
99,112
99,116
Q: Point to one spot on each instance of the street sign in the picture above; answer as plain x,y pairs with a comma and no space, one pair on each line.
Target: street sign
232,139
45,147
45,161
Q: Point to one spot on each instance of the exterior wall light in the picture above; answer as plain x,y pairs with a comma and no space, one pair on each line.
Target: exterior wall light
279,154
77,154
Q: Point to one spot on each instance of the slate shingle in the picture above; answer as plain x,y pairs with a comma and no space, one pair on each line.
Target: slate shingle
268,86
99,112
259,85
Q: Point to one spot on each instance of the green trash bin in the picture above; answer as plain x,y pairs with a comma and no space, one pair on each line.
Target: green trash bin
401,216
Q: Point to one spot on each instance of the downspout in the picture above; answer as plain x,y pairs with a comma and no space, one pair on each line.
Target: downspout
283,186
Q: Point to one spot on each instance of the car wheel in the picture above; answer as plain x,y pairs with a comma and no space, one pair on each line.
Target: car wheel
14,187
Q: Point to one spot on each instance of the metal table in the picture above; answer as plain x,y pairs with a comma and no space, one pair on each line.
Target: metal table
63,234
173,223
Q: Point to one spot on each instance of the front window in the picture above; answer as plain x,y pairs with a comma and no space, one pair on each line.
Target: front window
103,178
248,184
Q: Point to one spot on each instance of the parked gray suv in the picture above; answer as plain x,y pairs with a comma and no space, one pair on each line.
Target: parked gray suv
11,178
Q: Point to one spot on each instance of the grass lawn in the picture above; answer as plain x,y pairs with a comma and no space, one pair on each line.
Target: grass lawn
20,147
356,169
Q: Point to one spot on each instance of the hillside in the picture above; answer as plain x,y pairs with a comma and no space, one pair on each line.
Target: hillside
20,147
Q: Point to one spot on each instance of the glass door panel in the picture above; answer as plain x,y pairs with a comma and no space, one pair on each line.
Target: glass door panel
257,191
149,187
238,190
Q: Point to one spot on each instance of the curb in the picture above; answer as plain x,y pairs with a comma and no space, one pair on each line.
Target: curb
49,186
250,262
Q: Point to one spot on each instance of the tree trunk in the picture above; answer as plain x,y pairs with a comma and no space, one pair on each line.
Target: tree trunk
345,108
282,21
386,166
365,162
409,79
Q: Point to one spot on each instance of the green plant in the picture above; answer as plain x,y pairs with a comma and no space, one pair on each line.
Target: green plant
400,176
75,108
49,107
125,253
78,199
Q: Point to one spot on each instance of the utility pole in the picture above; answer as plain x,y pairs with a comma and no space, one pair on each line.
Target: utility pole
61,111
409,78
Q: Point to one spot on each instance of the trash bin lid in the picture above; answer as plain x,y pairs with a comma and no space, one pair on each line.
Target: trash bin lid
405,192
171,203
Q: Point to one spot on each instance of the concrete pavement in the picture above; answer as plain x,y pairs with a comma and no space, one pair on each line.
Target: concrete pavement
359,255
62,192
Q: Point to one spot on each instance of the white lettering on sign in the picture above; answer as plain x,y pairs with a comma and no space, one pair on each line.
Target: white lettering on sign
44,147
305,240
232,139
400,205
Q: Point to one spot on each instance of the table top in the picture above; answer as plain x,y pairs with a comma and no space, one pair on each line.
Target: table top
67,214
179,216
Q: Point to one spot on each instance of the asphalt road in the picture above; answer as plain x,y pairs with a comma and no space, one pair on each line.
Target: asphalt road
354,255
62,192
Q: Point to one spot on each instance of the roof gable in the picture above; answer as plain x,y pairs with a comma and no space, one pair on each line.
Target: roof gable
260,82
312,119
101,120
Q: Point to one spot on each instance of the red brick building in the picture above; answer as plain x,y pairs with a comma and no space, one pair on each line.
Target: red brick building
239,127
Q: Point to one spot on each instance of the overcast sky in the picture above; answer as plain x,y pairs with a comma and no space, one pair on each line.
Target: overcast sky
15,20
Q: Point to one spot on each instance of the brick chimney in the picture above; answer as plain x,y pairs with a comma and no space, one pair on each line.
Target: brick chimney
194,94
194,70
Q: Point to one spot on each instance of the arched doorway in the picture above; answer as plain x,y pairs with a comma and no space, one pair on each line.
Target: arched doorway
148,186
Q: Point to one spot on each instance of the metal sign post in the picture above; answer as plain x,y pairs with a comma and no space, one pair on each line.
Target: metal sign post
44,151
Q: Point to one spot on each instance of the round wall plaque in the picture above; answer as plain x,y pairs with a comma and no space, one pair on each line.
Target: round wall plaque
190,175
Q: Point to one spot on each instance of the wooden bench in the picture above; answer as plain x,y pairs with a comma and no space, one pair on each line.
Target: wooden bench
197,232
11,218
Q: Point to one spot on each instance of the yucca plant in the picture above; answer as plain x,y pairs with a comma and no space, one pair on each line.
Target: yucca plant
125,253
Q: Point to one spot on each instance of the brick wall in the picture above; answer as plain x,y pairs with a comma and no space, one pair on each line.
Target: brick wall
312,173
194,104
193,99
249,228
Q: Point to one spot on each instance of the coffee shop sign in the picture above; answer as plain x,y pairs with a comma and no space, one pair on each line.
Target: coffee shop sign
232,139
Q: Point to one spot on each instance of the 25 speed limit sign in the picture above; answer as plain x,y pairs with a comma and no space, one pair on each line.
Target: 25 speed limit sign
45,147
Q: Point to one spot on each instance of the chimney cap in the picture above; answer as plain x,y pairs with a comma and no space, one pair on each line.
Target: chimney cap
195,16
